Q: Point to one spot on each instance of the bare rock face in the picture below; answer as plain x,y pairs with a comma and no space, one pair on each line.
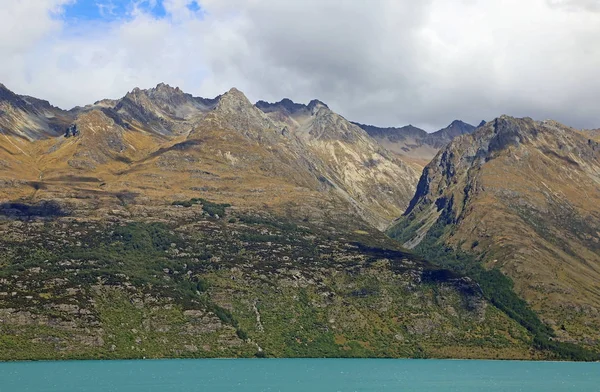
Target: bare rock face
72,131
163,109
30,118
376,182
524,197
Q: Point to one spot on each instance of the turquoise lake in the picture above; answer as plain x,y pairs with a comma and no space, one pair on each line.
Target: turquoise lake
293,375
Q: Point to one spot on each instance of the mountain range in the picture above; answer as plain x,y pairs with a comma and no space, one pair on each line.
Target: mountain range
166,225
414,143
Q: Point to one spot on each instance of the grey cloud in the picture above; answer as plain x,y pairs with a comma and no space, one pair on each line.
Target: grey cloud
385,62
395,62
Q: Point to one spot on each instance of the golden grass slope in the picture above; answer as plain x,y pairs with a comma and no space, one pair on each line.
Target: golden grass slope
232,153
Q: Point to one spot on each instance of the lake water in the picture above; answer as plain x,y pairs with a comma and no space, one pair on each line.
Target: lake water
293,375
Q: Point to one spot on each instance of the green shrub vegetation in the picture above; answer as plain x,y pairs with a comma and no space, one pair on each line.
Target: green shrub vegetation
212,209
496,287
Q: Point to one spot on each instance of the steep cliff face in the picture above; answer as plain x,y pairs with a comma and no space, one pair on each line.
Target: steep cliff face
523,196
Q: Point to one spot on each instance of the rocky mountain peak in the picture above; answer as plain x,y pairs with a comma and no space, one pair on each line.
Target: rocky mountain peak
135,91
288,107
507,131
456,128
234,98
393,133
165,87
165,91
164,109
445,135
3,90
470,151
504,134
234,112
315,106
9,96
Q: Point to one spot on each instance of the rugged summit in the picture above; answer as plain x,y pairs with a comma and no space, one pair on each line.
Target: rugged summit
522,197
414,143
444,136
234,112
163,109
302,145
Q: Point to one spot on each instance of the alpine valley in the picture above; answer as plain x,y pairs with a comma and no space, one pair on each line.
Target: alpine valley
166,225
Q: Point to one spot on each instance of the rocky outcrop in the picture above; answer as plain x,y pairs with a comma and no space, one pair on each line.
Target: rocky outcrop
72,131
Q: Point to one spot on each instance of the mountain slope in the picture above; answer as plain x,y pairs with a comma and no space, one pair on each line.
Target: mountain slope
376,182
159,227
523,197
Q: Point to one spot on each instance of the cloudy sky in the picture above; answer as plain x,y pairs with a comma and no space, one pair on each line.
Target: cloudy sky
384,62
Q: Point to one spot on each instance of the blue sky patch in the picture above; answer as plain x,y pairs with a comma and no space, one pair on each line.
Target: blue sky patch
194,6
107,10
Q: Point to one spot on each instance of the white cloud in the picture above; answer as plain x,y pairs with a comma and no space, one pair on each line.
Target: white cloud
576,5
386,62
